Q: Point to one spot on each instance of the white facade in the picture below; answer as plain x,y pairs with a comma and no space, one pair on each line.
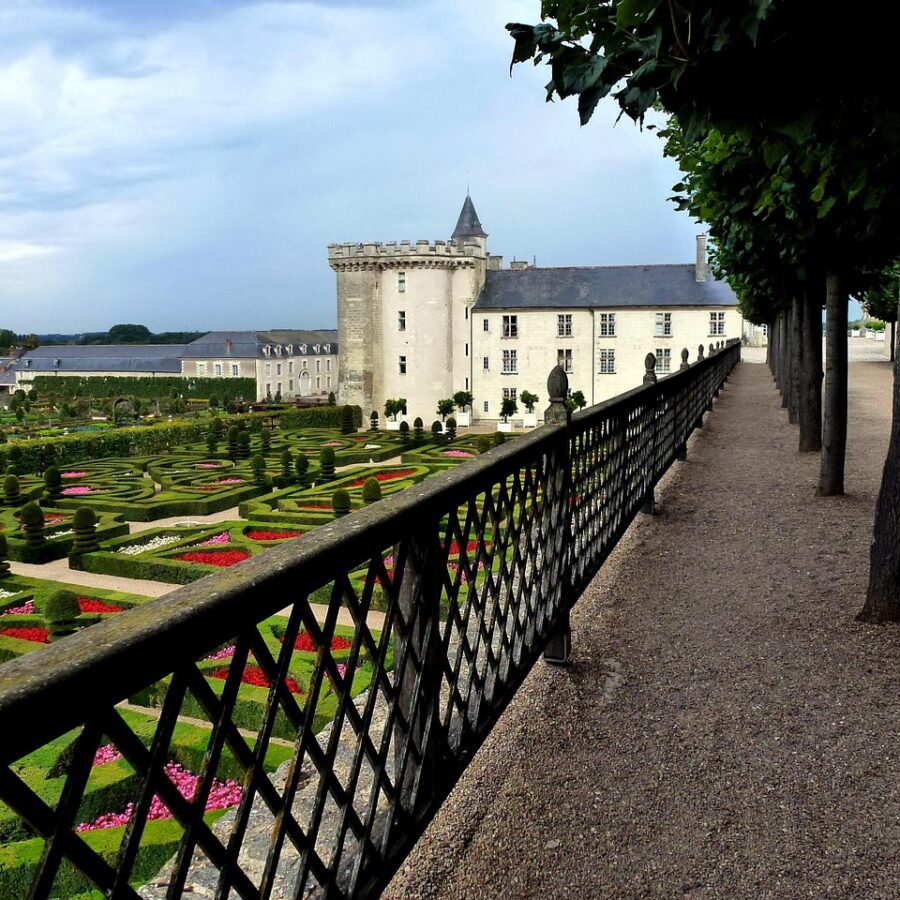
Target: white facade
422,321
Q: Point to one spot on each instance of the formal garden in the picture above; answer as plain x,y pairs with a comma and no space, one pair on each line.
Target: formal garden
283,481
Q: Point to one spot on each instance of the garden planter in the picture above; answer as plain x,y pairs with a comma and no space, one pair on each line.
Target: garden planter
529,420
463,419
504,426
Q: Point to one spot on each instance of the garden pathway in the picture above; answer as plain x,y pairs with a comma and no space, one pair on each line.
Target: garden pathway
726,728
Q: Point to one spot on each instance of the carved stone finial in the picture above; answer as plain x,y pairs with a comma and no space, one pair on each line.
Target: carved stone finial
684,358
650,366
700,352
711,349
557,412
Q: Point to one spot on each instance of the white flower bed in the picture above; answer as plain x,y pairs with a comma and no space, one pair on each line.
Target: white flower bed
162,540
64,533
5,594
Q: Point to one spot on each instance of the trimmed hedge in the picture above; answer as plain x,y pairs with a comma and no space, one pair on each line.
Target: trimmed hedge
71,387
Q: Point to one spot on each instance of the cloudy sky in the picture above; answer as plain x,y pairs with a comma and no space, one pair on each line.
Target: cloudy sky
185,163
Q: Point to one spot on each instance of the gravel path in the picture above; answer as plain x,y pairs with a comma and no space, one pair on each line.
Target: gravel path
727,728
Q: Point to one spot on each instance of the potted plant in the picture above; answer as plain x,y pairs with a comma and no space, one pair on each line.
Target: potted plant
508,408
529,400
463,400
393,408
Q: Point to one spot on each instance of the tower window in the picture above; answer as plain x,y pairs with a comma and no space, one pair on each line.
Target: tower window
401,320
401,282
402,365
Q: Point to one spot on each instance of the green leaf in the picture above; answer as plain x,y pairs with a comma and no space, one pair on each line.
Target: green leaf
825,207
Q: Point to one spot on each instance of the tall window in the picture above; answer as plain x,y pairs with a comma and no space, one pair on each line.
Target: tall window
218,369
664,324
401,282
564,325
201,368
564,357
663,359
607,324
291,367
510,326
319,383
509,361
509,393
235,370
268,368
318,365
487,406
486,324
327,365
402,365
401,320
467,349
607,362
291,385
328,381
716,323
277,368
486,363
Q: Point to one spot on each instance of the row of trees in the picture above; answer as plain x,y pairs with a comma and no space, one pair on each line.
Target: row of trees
786,126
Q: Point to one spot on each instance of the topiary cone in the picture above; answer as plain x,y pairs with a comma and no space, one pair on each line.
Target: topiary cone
85,525
4,552
371,492
11,494
340,502
326,463
52,483
258,466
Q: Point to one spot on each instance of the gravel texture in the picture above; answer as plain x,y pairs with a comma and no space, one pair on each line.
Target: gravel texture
727,729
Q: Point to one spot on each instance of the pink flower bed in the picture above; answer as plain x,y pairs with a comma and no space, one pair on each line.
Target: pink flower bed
73,474
208,466
224,653
77,489
221,538
232,481
332,444
382,476
458,454
105,754
222,795
26,609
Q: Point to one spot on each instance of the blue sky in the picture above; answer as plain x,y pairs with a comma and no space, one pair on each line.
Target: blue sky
185,163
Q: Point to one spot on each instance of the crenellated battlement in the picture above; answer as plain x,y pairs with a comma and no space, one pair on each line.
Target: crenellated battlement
471,248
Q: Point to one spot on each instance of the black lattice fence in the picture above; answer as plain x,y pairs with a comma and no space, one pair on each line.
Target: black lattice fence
451,591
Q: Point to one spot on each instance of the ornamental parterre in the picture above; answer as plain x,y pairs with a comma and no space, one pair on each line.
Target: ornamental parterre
254,675
221,558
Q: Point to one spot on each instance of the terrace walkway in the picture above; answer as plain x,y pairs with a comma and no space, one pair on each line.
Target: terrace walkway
727,728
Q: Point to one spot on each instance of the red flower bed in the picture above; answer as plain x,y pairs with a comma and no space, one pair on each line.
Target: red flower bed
383,476
51,519
221,558
316,506
258,535
92,605
305,642
471,547
254,675
36,634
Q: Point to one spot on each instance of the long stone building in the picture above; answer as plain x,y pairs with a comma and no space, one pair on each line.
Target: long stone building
423,320
291,363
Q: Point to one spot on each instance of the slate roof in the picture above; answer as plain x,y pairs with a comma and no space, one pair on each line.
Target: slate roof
104,358
249,344
7,370
601,286
468,225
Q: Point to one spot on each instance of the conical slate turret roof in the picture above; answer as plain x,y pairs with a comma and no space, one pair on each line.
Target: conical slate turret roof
468,225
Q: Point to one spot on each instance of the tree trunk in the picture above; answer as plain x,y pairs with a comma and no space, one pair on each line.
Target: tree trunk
834,431
810,373
893,340
795,321
770,360
784,341
883,594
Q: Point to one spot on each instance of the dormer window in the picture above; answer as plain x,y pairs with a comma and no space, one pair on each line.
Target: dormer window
27,363
278,349
289,349
317,348
266,350
56,362
303,348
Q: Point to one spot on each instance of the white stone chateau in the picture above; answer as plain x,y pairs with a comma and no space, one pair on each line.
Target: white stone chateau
424,320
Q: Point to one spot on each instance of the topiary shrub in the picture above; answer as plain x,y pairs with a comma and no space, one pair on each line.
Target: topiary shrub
243,451
85,524
340,502
418,430
212,442
301,467
60,613
32,518
258,467
286,460
437,432
371,491
233,434
218,427
332,400
499,437
52,482
404,431
347,426
12,495
483,443
373,421
326,462
4,553
265,437
451,429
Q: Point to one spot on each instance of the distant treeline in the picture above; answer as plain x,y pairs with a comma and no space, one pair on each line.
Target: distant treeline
136,334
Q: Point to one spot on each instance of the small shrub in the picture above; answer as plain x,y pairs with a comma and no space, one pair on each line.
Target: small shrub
371,491
332,400
301,467
85,524
326,462
243,451
258,467
451,429
499,437
340,502
265,438
60,613
373,421
347,426
212,442
233,434
32,517
11,490
404,431
4,552
437,432
483,443
418,430
286,460
445,407
52,482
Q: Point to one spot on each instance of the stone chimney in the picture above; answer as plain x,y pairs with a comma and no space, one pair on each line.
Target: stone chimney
700,269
